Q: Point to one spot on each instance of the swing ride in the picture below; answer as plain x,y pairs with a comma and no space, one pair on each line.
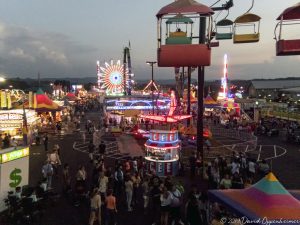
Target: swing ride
289,17
246,20
190,50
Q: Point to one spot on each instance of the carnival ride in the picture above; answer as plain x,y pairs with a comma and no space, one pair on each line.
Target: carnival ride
289,17
163,146
224,28
149,86
246,20
183,44
112,79
163,152
127,66
115,79
224,82
174,115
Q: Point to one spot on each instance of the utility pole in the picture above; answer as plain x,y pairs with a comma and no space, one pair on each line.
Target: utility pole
151,63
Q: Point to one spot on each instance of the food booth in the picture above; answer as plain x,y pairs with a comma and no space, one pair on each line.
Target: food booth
12,122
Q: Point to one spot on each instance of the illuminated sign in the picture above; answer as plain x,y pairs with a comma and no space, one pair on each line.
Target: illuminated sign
134,107
13,155
163,136
161,104
16,116
11,116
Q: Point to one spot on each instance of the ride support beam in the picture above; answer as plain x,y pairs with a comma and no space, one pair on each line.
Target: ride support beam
201,74
189,95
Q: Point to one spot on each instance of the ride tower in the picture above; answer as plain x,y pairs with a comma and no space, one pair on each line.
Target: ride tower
184,46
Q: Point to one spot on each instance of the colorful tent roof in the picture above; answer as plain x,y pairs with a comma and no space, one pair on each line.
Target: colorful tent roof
265,199
44,103
209,102
193,99
71,97
230,105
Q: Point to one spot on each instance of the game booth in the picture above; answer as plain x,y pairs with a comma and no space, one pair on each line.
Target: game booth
163,152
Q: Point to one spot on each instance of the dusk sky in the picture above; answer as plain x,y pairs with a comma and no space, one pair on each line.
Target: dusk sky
65,38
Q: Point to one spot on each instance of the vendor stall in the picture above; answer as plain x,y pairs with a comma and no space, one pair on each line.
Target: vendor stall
11,122
14,171
162,152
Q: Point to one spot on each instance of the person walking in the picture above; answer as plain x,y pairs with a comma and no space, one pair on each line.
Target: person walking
193,211
102,148
119,180
103,184
166,200
81,180
175,205
47,171
95,212
145,188
55,161
111,208
91,148
45,141
66,179
129,192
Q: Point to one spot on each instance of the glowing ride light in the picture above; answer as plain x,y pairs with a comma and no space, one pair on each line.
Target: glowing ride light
165,148
225,77
224,80
111,78
171,117
136,104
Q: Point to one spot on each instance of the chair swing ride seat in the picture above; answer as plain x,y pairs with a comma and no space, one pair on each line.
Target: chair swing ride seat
177,48
224,24
290,16
247,19
177,55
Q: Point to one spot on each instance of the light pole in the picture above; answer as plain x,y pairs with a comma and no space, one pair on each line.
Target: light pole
151,63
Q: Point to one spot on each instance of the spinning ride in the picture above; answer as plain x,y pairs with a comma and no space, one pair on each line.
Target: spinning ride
174,114
162,152
113,78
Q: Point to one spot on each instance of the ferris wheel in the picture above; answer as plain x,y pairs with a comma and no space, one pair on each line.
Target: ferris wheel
112,78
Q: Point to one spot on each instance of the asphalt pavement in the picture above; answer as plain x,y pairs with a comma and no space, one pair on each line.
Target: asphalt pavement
64,212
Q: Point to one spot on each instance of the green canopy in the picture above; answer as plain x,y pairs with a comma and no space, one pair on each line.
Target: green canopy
180,19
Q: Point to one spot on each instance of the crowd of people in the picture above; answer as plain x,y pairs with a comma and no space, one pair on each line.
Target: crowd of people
127,187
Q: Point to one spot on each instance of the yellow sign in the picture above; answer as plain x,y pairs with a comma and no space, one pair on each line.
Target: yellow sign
16,154
3,99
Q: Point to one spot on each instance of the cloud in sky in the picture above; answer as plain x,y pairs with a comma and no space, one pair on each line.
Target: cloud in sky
55,39
25,52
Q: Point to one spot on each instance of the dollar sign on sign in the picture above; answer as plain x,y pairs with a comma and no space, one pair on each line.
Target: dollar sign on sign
15,177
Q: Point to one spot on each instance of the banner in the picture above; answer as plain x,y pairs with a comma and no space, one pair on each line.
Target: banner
3,99
34,101
30,100
8,100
